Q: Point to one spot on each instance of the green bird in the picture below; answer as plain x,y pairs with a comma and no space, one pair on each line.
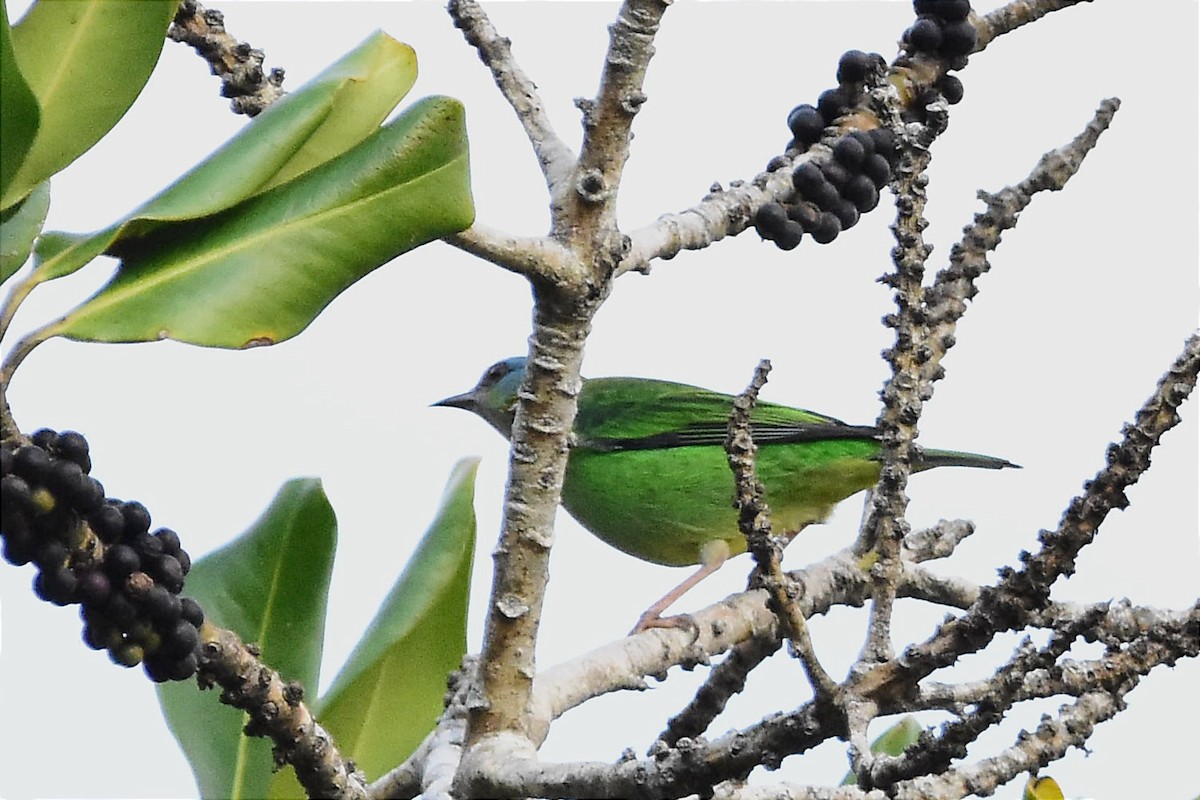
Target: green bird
648,473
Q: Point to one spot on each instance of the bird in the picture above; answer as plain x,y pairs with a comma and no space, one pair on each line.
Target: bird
647,471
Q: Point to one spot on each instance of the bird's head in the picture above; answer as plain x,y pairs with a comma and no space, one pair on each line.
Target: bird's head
494,398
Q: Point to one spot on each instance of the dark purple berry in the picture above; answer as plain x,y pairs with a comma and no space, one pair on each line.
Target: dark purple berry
169,540
885,142
924,36
147,545
835,173
120,561
826,196
958,39
804,213
951,88
185,561
161,604
31,462
120,609
157,668
137,518
789,237
182,638
56,585
100,636
192,611
94,587
51,553
65,479
865,139
73,447
168,571
108,523
853,66
44,438
878,170
769,220
861,191
18,541
847,214
827,228
807,177
183,668
832,103
15,494
90,496
849,152
806,123
953,10
777,162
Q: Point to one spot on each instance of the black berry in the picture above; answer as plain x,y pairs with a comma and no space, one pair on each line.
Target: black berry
804,213
169,540
849,151
853,66
73,447
825,196
770,219
847,214
832,103
137,518
44,438
958,39
181,639
161,604
806,123
191,611
924,35
951,87
120,561
108,523
827,228
55,585
864,138
861,191
31,462
878,170
94,587
807,177
835,173
790,235
885,142
120,609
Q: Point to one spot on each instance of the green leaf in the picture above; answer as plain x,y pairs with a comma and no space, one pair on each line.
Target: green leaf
19,112
327,116
86,61
1042,789
389,694
893,742
19,226
261,271
270,586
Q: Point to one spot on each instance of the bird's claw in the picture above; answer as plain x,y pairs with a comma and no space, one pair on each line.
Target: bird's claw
684,621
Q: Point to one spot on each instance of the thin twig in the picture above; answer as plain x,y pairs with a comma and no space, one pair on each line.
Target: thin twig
555,158
1015,14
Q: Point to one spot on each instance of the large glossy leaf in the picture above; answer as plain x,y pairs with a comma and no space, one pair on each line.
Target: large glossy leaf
388,696
327,116
19,226
270,586
86,62
893,742
261,271
18,108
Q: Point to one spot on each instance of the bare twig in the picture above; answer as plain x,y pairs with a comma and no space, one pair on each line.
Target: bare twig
555,158
1015,14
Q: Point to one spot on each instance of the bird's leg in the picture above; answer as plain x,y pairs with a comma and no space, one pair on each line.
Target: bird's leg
712,556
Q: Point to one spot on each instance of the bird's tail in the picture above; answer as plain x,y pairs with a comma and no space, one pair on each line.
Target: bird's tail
955,458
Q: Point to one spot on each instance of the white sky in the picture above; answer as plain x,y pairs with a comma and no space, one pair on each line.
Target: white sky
1088,301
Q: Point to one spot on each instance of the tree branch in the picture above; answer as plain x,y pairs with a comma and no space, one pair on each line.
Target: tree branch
495,51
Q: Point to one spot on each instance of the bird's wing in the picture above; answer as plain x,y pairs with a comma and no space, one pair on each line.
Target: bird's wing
643,414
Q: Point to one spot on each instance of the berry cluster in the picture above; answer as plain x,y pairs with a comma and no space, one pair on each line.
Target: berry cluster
808,122
98,552
942,29
829,197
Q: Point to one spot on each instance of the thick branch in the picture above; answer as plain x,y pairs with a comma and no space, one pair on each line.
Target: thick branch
1015,14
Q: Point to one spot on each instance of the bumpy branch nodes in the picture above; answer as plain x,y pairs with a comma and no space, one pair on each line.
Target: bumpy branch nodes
237,64
276,710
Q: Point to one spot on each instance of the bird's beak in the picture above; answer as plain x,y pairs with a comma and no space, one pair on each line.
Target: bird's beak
466,401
